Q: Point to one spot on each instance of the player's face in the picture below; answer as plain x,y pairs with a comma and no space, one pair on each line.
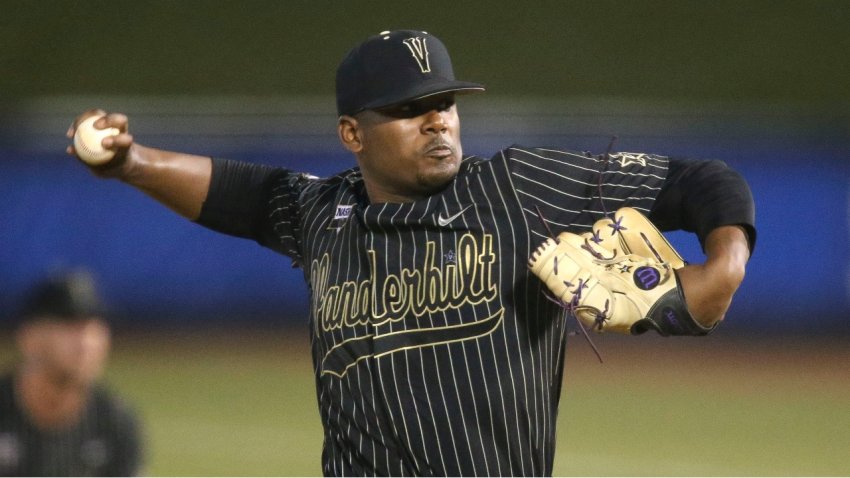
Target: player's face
411,151
70,353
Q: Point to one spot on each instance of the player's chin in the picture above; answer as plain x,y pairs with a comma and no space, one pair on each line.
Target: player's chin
439,176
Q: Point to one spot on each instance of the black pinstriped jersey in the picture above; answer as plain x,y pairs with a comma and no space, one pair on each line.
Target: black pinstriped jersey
435,351
105,441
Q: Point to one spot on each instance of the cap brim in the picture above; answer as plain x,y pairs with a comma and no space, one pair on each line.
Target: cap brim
424,91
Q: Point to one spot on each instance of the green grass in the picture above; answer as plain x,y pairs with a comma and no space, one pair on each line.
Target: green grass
221,404
707,407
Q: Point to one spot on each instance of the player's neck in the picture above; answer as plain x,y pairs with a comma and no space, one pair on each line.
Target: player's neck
376,194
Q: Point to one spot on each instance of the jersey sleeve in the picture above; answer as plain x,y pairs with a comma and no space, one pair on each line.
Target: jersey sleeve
573,189
255,202
699,196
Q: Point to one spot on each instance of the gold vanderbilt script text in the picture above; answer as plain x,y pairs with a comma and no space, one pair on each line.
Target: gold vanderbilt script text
434,286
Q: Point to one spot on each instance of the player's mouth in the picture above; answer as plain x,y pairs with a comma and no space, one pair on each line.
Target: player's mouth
440,150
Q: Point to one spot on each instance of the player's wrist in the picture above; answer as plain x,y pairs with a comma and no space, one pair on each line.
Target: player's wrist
134,166
122,166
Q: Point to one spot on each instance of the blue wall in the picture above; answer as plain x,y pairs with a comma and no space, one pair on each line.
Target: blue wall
156,267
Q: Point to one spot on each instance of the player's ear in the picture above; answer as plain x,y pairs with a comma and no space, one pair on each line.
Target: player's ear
349,133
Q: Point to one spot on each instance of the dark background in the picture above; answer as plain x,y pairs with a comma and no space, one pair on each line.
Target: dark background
783,50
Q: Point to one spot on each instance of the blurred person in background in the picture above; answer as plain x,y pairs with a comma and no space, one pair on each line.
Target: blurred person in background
56,419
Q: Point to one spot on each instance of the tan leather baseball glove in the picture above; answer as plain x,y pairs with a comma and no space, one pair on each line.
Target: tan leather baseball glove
620,277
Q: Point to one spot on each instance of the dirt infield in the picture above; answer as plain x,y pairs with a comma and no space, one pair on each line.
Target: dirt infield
742,364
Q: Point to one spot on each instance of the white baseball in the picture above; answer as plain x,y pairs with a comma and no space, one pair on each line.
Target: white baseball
88,142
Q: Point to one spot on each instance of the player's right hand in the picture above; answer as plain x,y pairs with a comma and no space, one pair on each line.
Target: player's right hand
120,143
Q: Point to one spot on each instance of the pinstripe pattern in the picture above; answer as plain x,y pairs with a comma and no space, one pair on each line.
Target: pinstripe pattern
105,442
435,353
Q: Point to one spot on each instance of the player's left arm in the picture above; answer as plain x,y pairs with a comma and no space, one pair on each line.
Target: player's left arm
715,202
709,287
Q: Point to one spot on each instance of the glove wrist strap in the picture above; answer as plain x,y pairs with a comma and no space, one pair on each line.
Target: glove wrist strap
670,316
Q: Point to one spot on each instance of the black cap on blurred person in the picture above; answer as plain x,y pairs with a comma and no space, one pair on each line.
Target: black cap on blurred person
69,296
395,67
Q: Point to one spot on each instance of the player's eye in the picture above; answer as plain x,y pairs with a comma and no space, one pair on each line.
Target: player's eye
418,108
407,110
446,105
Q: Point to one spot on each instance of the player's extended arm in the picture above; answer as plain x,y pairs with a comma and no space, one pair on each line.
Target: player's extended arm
177,180
710,286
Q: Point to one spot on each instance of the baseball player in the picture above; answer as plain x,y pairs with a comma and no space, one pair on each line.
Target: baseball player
436,351
56,419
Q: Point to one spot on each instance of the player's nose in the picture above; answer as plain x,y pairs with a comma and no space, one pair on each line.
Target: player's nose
435,122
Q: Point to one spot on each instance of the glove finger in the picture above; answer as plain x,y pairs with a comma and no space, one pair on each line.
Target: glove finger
551,262
571,271
633,233
587,244
605,235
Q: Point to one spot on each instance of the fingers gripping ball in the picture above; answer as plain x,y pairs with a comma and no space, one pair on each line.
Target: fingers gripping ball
88,142
610,290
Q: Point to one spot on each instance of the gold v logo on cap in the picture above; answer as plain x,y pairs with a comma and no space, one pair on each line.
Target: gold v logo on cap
419,49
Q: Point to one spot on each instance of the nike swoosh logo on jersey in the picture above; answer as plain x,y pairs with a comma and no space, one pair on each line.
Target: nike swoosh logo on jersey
445,221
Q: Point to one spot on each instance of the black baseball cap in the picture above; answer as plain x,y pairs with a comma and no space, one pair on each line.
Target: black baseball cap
65,296
395,67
